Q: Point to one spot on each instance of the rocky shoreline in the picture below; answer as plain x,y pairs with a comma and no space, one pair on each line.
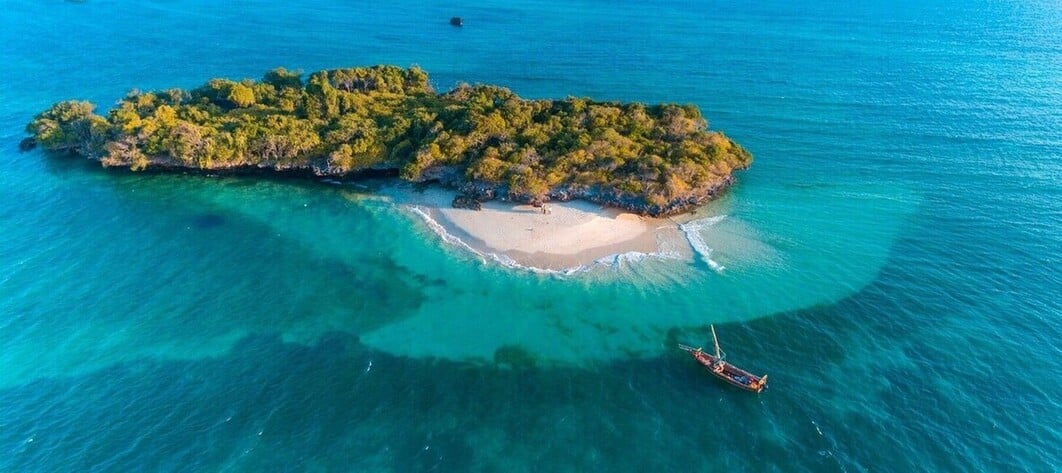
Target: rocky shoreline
482,141
472,194
469,194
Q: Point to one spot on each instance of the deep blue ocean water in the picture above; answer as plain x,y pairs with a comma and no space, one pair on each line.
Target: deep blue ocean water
893,259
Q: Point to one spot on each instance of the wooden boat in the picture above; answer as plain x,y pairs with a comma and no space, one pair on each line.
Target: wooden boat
726,371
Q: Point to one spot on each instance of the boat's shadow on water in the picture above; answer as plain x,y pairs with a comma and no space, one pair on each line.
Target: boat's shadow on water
297,400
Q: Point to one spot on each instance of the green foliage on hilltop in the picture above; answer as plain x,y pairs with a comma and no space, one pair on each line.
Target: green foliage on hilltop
346,120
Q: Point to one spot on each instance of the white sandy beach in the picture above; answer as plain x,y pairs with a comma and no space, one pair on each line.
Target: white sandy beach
568,235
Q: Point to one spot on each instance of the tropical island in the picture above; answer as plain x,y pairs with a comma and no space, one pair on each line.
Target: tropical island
483,141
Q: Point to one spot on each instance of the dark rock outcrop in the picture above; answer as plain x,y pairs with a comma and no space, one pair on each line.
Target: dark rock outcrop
472,194
482,191
462,201
27,144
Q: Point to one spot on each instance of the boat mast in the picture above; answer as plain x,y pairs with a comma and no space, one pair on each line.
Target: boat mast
716,340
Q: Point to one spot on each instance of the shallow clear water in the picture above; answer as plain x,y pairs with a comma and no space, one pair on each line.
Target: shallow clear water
891,259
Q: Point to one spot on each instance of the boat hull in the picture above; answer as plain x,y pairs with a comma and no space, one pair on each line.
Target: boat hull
727,372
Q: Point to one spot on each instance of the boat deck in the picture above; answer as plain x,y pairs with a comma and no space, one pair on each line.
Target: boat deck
726,371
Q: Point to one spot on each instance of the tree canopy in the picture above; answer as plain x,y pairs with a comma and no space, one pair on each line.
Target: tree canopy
652,158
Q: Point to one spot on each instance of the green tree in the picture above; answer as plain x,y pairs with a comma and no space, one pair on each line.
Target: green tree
281,78
241,95
345,120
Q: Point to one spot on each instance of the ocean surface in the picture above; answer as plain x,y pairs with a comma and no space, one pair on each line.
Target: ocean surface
893,259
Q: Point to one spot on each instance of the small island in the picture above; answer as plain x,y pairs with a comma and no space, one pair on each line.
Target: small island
483,141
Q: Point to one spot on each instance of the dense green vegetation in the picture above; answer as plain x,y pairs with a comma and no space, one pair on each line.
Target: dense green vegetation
655,159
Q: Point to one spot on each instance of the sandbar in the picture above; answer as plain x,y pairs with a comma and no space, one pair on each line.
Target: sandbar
556,237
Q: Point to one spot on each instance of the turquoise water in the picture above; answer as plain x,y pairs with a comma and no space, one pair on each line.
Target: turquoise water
893,259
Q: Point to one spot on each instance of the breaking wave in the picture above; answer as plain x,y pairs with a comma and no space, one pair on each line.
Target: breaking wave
692,231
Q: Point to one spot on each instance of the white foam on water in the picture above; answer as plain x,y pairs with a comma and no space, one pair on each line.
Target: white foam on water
692,231
619,259
441,231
